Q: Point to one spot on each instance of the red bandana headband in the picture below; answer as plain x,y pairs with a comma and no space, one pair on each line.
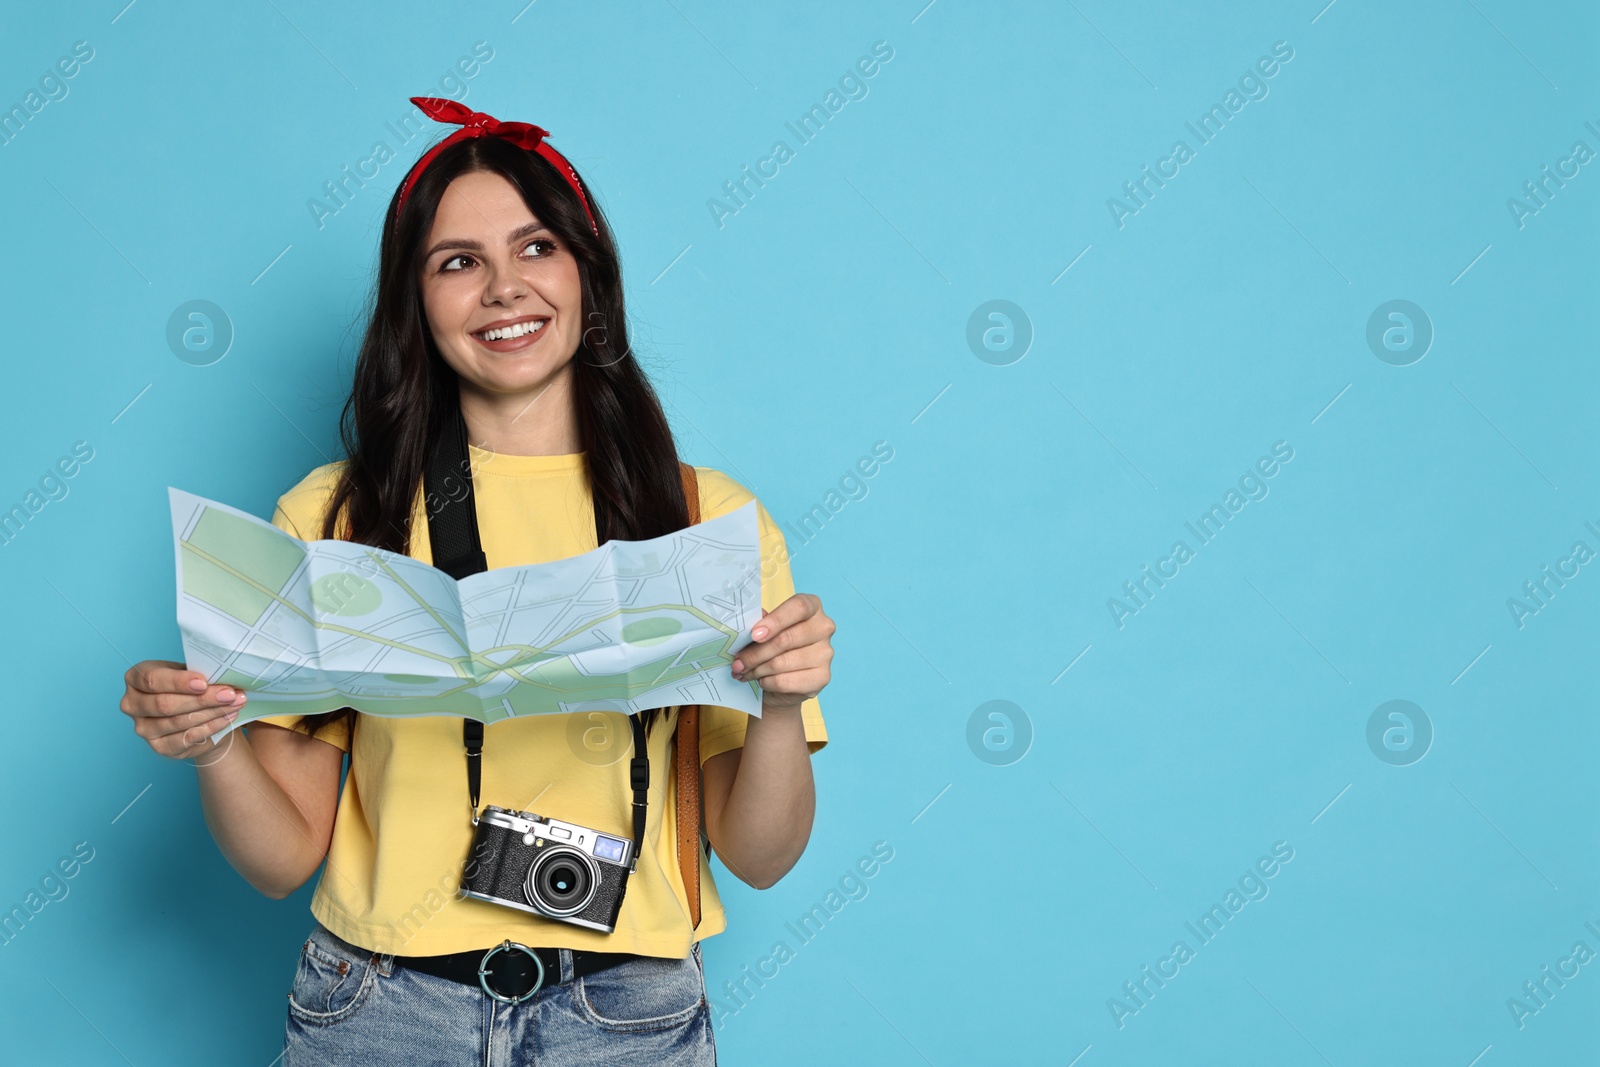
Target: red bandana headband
477,124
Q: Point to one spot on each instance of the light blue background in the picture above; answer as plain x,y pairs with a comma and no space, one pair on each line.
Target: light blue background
828,314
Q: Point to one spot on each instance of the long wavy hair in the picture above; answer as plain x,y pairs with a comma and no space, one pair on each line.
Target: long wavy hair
403,387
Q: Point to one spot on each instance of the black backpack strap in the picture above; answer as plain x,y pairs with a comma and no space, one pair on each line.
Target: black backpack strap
447,497
639,778
457,548
472,737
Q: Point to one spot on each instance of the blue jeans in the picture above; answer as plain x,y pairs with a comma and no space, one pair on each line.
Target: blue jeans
352,1006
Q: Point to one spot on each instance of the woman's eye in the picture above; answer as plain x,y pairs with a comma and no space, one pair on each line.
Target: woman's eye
551,246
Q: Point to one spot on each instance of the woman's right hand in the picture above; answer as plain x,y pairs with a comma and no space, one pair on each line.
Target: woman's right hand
173,708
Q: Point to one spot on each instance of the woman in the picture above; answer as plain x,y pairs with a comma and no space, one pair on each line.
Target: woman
499,295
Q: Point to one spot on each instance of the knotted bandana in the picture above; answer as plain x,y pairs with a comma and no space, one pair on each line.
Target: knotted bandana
477,124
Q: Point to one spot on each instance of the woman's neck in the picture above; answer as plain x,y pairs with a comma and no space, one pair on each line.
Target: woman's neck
541,423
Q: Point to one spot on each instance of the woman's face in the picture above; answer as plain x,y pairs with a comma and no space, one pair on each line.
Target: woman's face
491,265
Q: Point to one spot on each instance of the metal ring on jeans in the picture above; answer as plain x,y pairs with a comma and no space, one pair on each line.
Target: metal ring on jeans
504,946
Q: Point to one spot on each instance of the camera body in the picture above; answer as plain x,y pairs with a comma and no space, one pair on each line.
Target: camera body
558,870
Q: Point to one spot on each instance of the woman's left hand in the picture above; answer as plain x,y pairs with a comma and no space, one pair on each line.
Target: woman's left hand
789,653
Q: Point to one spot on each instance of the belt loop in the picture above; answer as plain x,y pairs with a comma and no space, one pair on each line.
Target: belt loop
567,971
384,963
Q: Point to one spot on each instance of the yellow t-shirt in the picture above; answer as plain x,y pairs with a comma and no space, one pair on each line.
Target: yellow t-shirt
401,834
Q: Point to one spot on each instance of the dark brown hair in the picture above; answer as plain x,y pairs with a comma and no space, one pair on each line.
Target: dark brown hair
402,386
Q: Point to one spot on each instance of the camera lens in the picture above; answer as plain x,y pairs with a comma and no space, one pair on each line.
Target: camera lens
562,881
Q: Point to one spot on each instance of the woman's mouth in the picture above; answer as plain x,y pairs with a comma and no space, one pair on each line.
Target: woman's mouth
510,338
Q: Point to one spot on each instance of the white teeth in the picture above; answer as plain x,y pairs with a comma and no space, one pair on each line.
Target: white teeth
507,332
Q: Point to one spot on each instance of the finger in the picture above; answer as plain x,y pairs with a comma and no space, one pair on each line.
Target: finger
142,705
797,608
808,631
155,727
163,676
162,705
184,743
806,683
164,726
796,659
802,646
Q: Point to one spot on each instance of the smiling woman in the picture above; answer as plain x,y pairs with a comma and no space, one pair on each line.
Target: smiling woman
504,308
494,270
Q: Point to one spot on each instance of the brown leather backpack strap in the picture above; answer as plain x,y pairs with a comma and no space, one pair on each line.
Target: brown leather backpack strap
687,743
691,491
686,746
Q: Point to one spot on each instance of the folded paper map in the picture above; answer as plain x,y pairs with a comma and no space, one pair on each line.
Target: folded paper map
312,626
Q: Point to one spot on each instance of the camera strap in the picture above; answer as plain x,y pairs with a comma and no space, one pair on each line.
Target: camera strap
458,551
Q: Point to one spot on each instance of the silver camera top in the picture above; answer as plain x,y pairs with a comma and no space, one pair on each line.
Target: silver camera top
607,848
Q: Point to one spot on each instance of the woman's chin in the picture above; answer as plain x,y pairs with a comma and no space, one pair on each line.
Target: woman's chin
512,373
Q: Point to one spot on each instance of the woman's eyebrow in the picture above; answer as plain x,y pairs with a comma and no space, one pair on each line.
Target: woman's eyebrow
527,229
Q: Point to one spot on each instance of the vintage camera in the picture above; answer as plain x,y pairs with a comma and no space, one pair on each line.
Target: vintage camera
559,870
